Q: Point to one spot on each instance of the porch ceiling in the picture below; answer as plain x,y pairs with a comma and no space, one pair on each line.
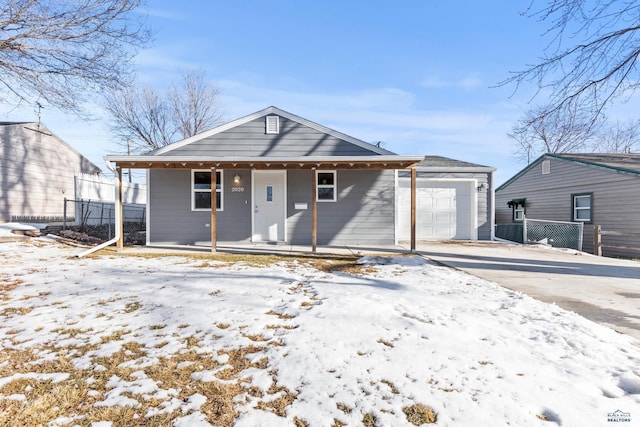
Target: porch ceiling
191,162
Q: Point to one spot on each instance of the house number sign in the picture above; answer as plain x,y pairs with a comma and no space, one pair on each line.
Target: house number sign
237,189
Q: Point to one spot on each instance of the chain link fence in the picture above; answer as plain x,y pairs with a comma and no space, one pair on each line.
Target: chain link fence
98,220
558,234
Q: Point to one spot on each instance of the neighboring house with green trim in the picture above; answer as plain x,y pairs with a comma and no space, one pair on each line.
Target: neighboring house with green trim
595,189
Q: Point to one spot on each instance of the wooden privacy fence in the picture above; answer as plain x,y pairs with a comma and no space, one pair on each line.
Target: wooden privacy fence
597,239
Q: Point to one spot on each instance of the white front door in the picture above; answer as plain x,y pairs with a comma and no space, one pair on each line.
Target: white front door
269,206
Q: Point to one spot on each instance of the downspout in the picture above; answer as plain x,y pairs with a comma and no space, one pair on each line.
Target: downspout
118,203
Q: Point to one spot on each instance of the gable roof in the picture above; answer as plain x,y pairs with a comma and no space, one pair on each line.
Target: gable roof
623,162
245,144
209,136
22,127
619,162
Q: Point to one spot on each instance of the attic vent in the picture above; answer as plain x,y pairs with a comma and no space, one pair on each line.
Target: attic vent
272,124
546,167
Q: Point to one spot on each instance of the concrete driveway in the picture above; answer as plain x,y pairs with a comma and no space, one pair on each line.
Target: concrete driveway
604,290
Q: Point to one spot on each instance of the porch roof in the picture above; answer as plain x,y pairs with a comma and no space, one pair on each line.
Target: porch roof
307,162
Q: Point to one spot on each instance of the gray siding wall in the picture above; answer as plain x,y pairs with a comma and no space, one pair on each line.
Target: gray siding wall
616,200
363,213
484,195
171,220
36,172
250,140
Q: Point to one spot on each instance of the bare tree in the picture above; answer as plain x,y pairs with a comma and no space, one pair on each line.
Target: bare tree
593,55
194,104
56,51
140,117
619,138
147,119
558,131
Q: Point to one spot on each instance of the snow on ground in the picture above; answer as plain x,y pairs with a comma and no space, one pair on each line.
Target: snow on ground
340,347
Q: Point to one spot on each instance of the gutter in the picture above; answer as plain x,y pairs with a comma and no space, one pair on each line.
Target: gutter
118,204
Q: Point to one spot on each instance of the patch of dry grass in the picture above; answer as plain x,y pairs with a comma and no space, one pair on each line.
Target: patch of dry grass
132,306
7,285
391,386
419,414
239,361
10,311
344,408
278,405
45,400
326,262
280,315
255,337
369,420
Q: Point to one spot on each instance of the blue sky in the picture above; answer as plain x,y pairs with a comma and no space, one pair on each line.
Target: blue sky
419,76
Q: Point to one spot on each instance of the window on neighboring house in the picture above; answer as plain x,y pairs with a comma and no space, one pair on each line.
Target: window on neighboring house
326,186
201,190
518,214
517,208
582,205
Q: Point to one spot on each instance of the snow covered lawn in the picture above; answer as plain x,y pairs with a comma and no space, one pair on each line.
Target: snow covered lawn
195,341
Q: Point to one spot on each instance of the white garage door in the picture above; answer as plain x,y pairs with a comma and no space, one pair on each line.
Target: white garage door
444,210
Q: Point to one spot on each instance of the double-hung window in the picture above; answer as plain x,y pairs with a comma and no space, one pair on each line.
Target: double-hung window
582,207
326,186
201,190
518,213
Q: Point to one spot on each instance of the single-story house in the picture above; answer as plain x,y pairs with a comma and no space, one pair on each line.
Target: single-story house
37,171
276,177
595,189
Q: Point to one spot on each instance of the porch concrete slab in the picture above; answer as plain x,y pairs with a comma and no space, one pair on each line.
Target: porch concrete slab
604,290
266,248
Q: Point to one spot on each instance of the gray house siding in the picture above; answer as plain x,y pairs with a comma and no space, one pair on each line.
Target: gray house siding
37,172
362,214
250,140
171,220
616,199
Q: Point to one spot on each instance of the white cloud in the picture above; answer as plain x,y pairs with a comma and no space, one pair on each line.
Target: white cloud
466,83
477,135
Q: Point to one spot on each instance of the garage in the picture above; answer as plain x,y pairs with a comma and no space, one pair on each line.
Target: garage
445,209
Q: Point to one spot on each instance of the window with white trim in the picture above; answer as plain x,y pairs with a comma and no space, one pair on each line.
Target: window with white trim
201,190
326,188
582,207
518,214
518,208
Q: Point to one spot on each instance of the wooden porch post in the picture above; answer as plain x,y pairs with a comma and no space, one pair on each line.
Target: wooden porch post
413,208
314,211
119,212
214,219
597,240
